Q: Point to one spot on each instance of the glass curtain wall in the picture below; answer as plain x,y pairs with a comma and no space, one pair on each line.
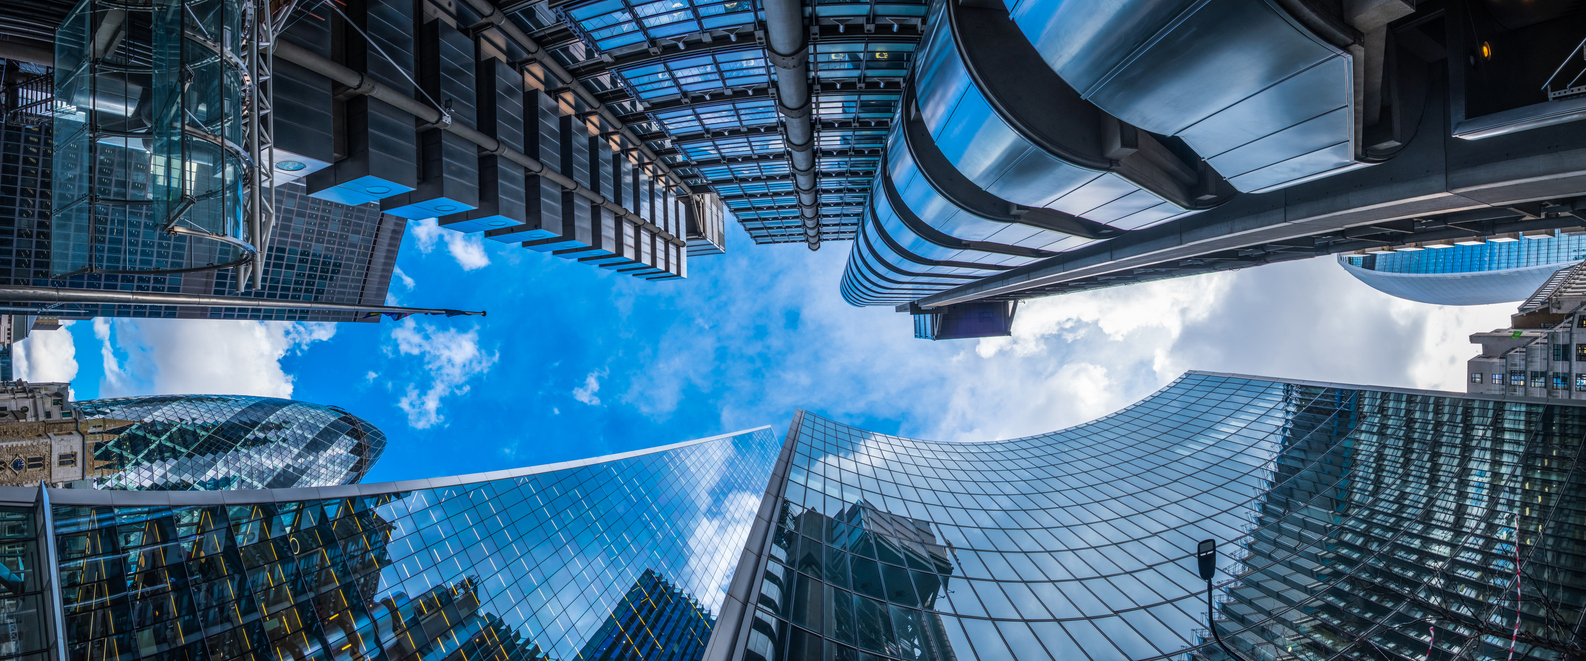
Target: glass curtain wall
1352,523
224,442
150,169
525,564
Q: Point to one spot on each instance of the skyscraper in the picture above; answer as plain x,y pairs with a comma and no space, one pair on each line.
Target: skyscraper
1152,149
224,442
1350,520
1542,353
178,442
320,252
1497,270
528,563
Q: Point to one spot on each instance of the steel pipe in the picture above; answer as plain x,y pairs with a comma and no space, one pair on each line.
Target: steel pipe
108,297
789,52
362,84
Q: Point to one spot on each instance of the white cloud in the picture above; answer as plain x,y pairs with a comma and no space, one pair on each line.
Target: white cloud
208,356
407,281
450,358
46,356
767,328
586,393
706,574
467,249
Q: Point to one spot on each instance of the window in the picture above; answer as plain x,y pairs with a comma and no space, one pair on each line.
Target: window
35,463
1538,379
1561,352
1580,352
1497,378
1516,377
49,414
68,459
1561,380
1581,322
1475,377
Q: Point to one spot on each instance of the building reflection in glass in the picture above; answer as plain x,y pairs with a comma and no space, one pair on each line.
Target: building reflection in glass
525,564
1351,521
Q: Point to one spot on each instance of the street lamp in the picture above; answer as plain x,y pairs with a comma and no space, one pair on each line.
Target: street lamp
1206,556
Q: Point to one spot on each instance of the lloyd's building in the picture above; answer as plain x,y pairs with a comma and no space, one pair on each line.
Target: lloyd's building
1350,523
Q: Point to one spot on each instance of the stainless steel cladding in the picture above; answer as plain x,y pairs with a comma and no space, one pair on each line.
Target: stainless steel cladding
1266,100
501,182
1038,128
542,225
448,163
382,154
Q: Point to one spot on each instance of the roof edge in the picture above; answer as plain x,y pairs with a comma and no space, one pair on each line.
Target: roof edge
199,498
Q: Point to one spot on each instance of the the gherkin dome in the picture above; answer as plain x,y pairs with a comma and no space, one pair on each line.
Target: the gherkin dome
214,442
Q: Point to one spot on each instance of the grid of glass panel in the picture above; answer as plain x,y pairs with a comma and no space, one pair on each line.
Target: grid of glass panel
736,115
1350,522
319,251
1490,256
696,74
710,149
852,61
615,23
224,442
526,564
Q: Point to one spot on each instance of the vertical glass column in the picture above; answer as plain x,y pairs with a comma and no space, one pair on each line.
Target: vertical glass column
152,173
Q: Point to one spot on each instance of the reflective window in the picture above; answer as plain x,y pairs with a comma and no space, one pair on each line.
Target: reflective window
612,560
1345,519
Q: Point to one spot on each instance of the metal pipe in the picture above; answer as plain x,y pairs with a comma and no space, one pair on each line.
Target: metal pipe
108,297
788,50
495,17
361,84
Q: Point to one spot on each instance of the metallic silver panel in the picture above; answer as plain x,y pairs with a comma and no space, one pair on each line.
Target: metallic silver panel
991,153
1223,75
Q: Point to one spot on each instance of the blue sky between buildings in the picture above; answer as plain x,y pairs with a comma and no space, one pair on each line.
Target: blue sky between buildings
575,361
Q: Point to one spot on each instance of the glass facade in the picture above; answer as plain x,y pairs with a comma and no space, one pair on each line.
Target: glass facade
1353,523
622,557
223,442
1493,272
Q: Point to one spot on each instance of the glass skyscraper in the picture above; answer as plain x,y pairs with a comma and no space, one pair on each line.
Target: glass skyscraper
223,442
1492,272
1353,523
530,564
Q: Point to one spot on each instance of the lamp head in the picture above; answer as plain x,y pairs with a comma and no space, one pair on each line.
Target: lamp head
1206,555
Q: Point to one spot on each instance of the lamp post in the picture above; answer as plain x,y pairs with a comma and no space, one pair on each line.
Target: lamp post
1206,557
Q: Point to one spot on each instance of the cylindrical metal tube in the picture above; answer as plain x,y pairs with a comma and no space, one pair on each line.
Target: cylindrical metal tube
787,42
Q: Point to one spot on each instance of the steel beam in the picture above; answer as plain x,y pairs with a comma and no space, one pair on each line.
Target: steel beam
64,295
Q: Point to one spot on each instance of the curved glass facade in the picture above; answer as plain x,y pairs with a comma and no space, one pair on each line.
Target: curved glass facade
621,557
224,442
1350,521
1493,272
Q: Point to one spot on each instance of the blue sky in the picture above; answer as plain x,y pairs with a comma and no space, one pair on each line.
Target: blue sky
575,361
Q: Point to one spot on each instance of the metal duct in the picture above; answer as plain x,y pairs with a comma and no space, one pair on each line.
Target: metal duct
787,50
110,297
361,84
